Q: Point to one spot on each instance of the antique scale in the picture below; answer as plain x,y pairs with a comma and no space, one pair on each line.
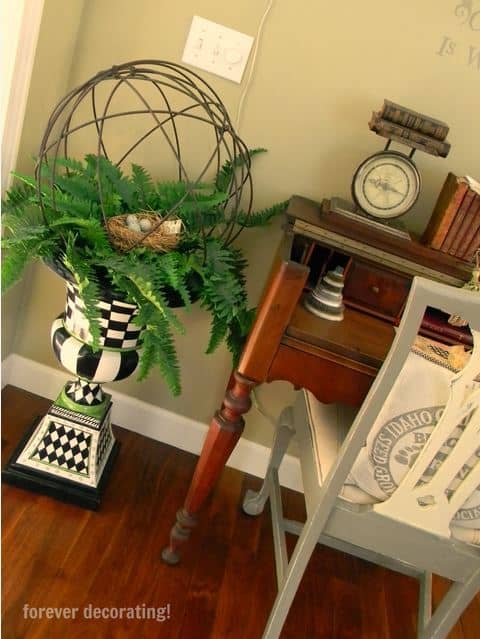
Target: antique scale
384,187
387,184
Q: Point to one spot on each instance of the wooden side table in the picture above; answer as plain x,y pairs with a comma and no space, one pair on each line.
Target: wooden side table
336,361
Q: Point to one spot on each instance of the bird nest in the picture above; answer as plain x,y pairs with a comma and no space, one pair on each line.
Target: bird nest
161,237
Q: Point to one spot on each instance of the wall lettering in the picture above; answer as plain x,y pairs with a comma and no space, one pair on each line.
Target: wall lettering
447,47
467,16
474,57
468,12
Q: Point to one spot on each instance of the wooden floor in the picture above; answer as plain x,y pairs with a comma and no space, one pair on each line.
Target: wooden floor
60,556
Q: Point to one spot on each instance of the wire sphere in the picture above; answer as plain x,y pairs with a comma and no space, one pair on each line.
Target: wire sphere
164,96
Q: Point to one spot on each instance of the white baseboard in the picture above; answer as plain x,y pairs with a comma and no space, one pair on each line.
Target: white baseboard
6,368
149,420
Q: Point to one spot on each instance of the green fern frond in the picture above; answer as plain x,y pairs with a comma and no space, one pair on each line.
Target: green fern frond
71,164
25,238
169,194
106,167
90,232
238,331
263,217
235,343
148,357
225,175
199,202
121,183
82,183
125,189
221,259
65,203
223,293
199,211
115,188
26,179
158,348
225,297
19,196
78,187
143,187
146,282
214,217
173,269
20,213
218,331
112,204
157,299
92,166
197,205
88,287
14,262
94,235
22,235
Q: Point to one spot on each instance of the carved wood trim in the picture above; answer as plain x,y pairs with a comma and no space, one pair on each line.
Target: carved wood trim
329,380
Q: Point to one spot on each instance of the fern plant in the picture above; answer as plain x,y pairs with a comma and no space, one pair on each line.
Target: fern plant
64,223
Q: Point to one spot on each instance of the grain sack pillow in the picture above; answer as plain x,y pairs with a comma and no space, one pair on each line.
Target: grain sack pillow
404,424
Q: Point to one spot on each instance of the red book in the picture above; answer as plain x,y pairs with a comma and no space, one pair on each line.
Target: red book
435,324
452,242
473,246
469,227
448,203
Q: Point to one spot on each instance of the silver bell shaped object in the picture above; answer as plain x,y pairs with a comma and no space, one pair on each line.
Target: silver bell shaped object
326,299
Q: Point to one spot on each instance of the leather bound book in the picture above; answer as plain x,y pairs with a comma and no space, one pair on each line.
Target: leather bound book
473,245
446,207
453,241
413,120
410,137
469,228
435,324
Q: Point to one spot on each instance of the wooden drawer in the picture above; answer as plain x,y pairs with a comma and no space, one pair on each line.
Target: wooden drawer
376,290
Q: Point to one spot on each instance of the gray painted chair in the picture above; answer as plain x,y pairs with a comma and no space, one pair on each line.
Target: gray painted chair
410,530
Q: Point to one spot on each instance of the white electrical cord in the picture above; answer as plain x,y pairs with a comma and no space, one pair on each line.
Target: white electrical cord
256,403
252,64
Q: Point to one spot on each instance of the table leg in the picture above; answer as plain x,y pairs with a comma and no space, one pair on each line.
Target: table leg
224,432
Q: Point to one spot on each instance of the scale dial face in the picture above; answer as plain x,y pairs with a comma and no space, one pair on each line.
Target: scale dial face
386,184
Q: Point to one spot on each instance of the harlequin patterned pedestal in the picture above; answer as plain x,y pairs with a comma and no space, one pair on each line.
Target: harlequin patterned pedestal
68,454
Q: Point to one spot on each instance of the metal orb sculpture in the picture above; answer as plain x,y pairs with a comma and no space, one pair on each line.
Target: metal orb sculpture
70,452
167,100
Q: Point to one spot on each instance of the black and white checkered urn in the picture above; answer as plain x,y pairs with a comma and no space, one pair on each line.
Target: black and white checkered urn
69,453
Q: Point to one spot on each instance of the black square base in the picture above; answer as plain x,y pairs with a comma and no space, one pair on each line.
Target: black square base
57,487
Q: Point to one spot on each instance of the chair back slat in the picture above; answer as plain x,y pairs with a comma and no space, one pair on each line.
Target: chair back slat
435,487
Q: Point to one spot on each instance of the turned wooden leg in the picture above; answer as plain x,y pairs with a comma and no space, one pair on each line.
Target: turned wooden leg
225,430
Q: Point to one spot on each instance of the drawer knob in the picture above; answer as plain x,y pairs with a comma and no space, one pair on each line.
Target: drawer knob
375,289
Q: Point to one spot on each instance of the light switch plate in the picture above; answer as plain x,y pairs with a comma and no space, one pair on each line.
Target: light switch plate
218,49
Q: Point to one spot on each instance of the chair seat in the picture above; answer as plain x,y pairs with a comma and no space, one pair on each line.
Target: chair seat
399,433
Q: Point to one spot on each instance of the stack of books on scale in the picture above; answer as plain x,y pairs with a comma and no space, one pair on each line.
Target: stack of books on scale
454,227
417,130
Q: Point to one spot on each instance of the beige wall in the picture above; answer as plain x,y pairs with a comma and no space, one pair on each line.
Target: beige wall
51,71
11,20
321,69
